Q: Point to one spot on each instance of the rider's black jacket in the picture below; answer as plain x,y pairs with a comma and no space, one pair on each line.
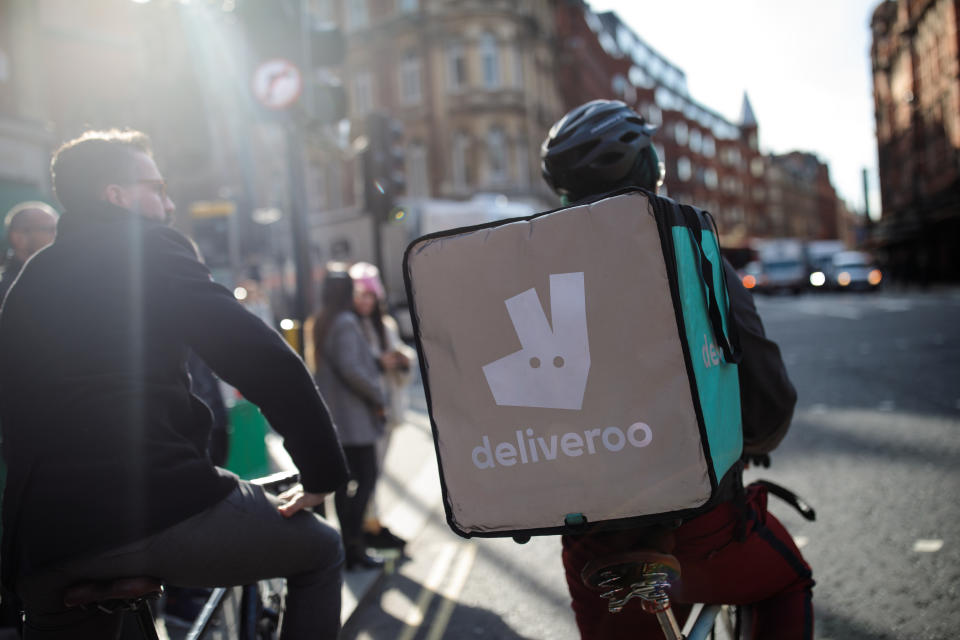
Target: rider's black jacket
103,441
767,397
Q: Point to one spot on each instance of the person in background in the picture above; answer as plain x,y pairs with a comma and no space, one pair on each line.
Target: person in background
30,226
395,360
349,379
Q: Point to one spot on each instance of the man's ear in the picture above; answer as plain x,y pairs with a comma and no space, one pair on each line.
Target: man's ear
115,195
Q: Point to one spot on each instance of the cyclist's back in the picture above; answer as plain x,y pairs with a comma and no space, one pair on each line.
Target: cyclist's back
734,552
106,447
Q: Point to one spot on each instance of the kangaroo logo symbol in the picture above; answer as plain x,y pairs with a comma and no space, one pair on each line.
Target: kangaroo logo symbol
550,370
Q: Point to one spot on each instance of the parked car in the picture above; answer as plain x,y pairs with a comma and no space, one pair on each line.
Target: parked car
853,271
820,259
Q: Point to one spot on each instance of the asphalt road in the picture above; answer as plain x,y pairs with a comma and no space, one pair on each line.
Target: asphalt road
874,447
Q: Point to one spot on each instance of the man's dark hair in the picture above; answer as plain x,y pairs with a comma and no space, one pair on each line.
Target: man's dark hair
82,167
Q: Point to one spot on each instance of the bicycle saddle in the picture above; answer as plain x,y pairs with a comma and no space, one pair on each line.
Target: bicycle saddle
628,567
95,592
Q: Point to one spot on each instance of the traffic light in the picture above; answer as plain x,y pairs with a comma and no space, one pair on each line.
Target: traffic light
383,163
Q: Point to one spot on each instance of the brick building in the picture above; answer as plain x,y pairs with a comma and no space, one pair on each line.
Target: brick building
709,160
915,55
801,201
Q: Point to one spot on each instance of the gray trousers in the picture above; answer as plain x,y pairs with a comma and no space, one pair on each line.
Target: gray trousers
238,541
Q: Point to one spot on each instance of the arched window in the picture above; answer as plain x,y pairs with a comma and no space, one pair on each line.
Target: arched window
418,183
497,155
456,67
458,166
521,160
363,93
410,78
359,15
490,60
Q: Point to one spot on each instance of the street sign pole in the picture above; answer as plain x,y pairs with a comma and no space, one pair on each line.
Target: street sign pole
278,84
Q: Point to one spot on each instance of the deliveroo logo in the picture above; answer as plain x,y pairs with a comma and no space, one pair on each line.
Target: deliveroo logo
550,370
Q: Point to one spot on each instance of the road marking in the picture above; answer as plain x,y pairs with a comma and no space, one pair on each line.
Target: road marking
892,305
927,546
438,571
818,308
452,591
408,517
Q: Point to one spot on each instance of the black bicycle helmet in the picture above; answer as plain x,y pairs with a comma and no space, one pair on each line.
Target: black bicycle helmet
597,147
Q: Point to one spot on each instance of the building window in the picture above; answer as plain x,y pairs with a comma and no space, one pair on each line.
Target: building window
709,146
681,133
661,154
333,187
321,10
497,155
410,78
490,60
418,185
696,141
363,93
408,6
756,167
517,66
521,159
456,67
358,15
458,168
684,168
710,178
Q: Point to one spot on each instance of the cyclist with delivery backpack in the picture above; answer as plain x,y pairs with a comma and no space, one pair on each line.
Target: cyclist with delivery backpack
733,551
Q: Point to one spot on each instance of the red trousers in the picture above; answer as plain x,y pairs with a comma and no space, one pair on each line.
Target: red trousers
765,570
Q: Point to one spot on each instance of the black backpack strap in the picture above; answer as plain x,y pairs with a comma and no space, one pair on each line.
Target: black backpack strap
730,346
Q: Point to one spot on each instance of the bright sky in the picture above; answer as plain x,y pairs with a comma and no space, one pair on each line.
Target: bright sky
805,66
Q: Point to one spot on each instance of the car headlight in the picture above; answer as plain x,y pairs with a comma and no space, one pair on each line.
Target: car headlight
818,279
749,282
843,279
874,277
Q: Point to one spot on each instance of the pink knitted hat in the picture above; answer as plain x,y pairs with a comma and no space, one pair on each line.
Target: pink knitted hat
366,277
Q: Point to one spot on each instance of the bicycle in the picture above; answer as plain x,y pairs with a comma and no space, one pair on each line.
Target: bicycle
256,617
647,574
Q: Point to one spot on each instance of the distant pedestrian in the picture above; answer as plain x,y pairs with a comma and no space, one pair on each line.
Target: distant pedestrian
349,379
30,226
395,360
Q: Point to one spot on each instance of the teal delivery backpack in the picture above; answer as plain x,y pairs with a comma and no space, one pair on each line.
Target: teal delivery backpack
580,366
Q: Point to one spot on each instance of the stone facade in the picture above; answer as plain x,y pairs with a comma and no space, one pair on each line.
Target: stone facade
472,82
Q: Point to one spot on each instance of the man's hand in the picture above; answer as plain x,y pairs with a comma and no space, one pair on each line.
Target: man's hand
295,498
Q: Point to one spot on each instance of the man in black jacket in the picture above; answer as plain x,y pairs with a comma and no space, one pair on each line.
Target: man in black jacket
106,446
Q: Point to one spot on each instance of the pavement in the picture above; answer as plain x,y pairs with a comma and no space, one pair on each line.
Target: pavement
408,488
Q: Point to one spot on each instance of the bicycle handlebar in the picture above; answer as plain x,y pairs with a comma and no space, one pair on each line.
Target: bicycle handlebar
276,481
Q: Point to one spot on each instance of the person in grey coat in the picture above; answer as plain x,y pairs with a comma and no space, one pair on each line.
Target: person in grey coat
349,377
